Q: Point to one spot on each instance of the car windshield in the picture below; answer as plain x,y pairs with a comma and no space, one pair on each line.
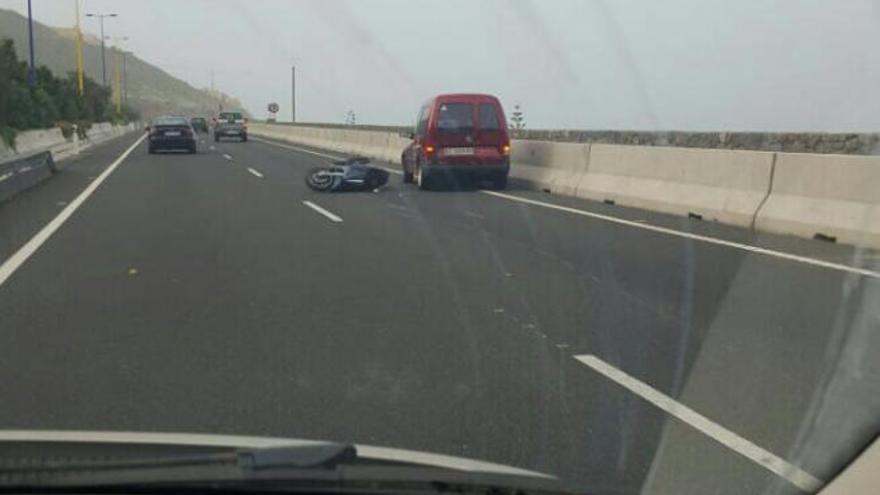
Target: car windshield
630,245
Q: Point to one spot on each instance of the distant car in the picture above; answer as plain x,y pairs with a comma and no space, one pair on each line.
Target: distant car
199,124
171,133
230,124
460,135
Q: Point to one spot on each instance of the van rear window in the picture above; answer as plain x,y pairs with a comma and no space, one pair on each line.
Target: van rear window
456,118
489,117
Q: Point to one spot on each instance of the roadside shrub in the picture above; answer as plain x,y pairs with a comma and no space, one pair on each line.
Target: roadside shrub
66,129
8,135
82,128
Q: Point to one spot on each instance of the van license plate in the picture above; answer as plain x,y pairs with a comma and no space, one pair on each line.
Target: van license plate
172,133
458,151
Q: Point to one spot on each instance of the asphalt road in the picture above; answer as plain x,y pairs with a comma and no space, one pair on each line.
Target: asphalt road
200,294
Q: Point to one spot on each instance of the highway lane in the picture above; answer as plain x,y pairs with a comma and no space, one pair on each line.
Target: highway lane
199,293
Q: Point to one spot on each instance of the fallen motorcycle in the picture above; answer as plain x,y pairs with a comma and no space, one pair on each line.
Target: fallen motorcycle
351,174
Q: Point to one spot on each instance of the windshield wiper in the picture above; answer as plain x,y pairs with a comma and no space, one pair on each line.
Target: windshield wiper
319,456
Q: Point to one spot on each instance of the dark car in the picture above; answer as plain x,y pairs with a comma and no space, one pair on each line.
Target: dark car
199,124
462,135
171,133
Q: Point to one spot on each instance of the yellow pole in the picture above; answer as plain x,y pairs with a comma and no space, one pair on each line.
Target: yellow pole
80,85
117,76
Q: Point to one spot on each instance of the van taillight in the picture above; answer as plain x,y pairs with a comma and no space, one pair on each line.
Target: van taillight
429,149
505,149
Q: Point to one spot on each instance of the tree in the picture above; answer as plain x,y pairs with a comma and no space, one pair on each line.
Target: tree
517,121
50,102
350,118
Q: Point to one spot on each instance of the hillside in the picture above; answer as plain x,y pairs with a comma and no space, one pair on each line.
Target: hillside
151,90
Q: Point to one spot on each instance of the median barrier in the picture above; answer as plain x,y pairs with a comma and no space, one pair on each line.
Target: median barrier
831,197
555,167
24,171
813,195
720,185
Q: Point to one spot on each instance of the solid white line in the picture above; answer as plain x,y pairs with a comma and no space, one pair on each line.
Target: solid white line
254,172
696,237
16,260
227,156
770,461
322,211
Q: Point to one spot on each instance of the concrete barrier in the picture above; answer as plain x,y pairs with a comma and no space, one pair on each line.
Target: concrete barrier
22,172
832,195
557,167
722,185
39,154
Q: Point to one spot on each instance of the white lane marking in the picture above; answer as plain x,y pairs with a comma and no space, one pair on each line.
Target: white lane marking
30,247
696,237
227,156
474,215
255,173
212,148
322,211
397,207
770,461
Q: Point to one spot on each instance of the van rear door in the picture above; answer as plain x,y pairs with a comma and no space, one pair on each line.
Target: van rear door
455,129
490,133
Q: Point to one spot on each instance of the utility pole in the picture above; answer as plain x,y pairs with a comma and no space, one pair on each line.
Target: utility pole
32,69
80,83
293,93
103,56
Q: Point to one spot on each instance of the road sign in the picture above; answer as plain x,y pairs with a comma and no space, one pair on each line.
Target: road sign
273,107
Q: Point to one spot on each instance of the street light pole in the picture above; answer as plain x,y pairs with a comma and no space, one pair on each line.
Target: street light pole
80,82
103,55
118,77
124,80
293,93
32,69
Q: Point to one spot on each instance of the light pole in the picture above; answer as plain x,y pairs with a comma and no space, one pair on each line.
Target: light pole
293,93
80,83
103,58
121,84
32,69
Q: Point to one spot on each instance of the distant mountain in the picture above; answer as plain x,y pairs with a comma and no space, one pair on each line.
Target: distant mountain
151,90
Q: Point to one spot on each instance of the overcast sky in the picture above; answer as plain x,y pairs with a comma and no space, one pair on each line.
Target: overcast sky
612,64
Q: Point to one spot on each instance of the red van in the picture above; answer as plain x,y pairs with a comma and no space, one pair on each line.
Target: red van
461,135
